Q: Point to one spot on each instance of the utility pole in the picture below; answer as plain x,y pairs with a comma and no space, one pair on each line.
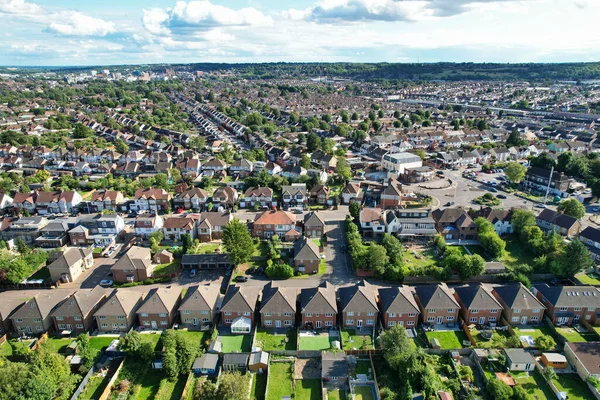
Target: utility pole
548,187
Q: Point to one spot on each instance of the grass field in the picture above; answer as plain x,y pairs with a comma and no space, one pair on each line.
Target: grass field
308,389
534,332
321,342
58,345
534,384
280,380
589,278
269,341
574,337
515,253
351,340
101,342
422,259
576,389
167,269
336,395
259,385
153,339
363,393
94,387
171,389
236,343
448,339
498,338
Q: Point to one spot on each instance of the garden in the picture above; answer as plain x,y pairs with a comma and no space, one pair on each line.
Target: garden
322,341
308,389
589,278
280,380
259,386
448,339
573,336
351,340
337,394
235,343
575,388
533,331
269,340
363,392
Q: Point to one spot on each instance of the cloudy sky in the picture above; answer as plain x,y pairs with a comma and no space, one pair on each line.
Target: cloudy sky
86,32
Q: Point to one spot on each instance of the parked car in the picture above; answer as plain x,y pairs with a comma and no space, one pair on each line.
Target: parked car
106,283
501,196
110,253
448,204
241,278
343,248
541,205
493,190
192,273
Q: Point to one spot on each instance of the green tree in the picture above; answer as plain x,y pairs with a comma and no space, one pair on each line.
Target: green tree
471,266
237,242
354,209
563,161
14,377
305,161
175,175
522,218
278,270
354,116
22,247
233,386
186,352
342,168
520,393
545,342
131,342
206,390
499,390
81,131
575,258
312,142
515,172
397,345
120,146
572,207
378,258
549,373
514,139
187,242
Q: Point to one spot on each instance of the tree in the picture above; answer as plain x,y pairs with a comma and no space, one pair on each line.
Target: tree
498,390
343,169
563,161
489,239
354,116
596,189
312,142
120,146
520,393
175,174
186,352
421,153
393,249
545,342
471,266
22,246
131,342
354,209
237,242
378,258
233,386
81,131
206,390
572,207
305,161
514,139
187,242
575,258
396,345
515,172
522,218
549,373
278,270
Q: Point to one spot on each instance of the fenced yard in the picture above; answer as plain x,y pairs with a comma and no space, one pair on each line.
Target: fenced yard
533,331
235,343
352,340
575,388
268,340
308,389
280,380
321,341
259,385
364,392
448,339
574,336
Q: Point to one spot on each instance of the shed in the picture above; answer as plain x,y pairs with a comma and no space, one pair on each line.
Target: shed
435,344
519,360
206,365
235,361
163,257
554,360
72,348
215,347
258,361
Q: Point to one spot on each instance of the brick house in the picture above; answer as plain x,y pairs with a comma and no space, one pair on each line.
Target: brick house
319,194
191,199
352,192
151,199
590,236
70,264
372,223
294,195
566,305
437,304
262,196
306,256
565,225
520,306
159,309
314,225
237,310
145,225
34,317
273,222
7,308
318,307
175,227
398,307
133,266
76,313
391,195
454,224
118,313
198,309
210,225
225,196
478,305
106,200
278,307
358,306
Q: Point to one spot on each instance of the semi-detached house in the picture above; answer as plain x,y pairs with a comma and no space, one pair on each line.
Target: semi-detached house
520,306
76,313
237,310
274,222
278,307
566,305
398,307
34,317
437,304
175,227
117,314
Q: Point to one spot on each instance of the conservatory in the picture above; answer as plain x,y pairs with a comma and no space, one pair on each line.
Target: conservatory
241,325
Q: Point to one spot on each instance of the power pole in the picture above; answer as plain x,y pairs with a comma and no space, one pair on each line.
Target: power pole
548,187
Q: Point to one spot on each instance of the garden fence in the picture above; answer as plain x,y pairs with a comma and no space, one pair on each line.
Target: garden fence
106,394
83,383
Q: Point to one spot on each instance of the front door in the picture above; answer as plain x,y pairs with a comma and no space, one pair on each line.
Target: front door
195,321
318,324
28,329
563,320
523,320
359,323
153,323
440,320
482,320
278,324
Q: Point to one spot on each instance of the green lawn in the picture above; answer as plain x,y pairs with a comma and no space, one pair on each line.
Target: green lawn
363,393
336,394
320,342
195,336
94,387
573,336
259,385
448,339
422,259
266,340
280,380
576,389
58,345
498,339
308,389
167,269
101,342
515,253
12,347
235,343
42,273
534,332
171,389
474,249
535,385
589,278
153,339
208,248
351,340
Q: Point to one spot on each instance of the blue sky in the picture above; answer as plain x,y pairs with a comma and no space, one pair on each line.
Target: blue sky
105,32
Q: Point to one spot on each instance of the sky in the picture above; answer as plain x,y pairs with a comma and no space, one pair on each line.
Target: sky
113,32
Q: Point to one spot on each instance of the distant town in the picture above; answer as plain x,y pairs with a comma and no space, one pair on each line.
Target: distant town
278,231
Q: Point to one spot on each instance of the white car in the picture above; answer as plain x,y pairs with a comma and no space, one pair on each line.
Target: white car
322,256
106,283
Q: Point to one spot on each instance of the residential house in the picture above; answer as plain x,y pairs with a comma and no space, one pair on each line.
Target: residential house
358,306
237,310
418,174
565,225
294,195
590,236
198,309
334,369
278,307
235,362
391,195
455,224
214,164
28,229
106,200
207,364
566,305
175,227
352,192
145,225
133,266
318,307
25,201
210,225
273,222
207,261
397,162
189,167
71,264
118,313
583,357
398,307
7,307
501,154
500,219
314,225
306,256
437,304
372,223
159,308
293,171
409,223
478,305
263,196
76,313
191,199
225,196
519,305
34,317
151,200
537,179
57,202
5,201
241,167
54,234
100,229
163,257
319,194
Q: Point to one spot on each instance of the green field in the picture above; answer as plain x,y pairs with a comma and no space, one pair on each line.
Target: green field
267,340
336,394
574,337
167,269
448,339
320,342
235,343
534,383
280,380
515,253
308,389
576,389
363,393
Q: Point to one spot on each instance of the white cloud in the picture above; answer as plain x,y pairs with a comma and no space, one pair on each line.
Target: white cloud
362,10
20,7
153,20
74,23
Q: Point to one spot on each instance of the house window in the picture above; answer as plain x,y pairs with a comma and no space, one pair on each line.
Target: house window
564,308
473,319
227,321
163,315
349,322
493,311
287,322
591,309
370,313
449,318
287,314
392,314
268,322
577,308
267,314
62,326
492,319
121,317
369,322
104,325
187,312
410,323
533,318
77,318
430,319
412,314
474,311
59,318
79,326
451,310
309,314
588,317
391,323
350,313
144,314
164,323
328,323
227,312
432,311
517,311
37,320
246,313
38,328
204,319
